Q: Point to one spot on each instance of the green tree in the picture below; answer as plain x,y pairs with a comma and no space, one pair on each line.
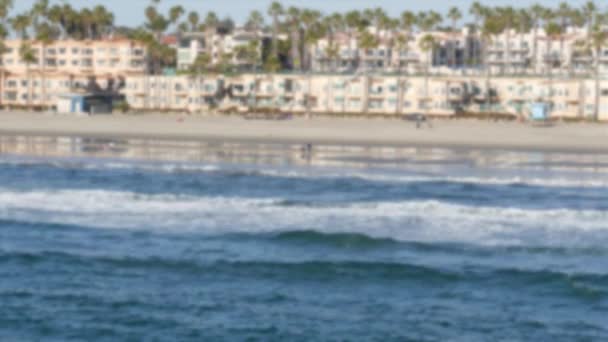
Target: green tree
427,44
193,20
455,15
295,25
275,11
29,57
537,14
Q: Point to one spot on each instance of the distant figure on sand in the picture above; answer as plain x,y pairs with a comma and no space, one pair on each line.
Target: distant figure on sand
307,151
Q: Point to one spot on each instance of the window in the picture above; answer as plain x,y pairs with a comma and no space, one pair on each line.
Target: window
75,51
61,51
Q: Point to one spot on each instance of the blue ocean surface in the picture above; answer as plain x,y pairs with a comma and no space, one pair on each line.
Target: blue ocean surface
452,248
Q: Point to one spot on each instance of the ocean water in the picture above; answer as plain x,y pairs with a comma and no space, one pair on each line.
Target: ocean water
274,244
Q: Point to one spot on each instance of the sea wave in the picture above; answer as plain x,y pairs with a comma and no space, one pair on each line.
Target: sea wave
593,181
593,286
416,220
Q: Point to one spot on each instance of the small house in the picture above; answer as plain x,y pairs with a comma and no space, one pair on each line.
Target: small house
86,104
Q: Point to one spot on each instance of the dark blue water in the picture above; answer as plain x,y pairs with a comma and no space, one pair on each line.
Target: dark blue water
90,251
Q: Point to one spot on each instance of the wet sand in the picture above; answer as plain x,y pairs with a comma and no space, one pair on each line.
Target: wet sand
563,137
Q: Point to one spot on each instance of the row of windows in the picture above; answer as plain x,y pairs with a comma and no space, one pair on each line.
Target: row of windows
85,51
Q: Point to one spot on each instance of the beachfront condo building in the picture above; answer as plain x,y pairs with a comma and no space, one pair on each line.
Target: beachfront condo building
365,94
395,51
462,52
66,66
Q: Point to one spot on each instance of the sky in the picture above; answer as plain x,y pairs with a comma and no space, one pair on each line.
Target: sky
130,12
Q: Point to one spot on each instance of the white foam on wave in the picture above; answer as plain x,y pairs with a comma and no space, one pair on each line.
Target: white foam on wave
421,221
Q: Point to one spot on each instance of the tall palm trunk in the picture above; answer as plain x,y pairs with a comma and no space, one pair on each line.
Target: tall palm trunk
275,33
550,71
366,82
29,86
581,98
535,49
399,108
488,77
43,75
426,88
596,105
508,51
295,49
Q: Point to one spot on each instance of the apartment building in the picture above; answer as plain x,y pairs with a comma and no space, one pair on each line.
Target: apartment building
365,94
67,66
396,51
220,47
461,52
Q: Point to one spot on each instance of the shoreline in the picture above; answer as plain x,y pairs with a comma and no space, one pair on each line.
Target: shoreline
449,134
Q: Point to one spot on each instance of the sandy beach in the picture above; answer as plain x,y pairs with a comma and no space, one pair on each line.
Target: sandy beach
565,137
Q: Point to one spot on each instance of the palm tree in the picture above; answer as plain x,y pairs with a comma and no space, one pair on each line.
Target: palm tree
5,7
524,25
564,13
427,45
38,11
354,23
275,11
332,24
20,25
491,27
478,11
599,39
293,17
45,34
428,21
103,21
28,56
589,11
367,42
313,31
553,30
193,20
455,15
507,17
402,45
408,21
537,13
175,13
255,21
